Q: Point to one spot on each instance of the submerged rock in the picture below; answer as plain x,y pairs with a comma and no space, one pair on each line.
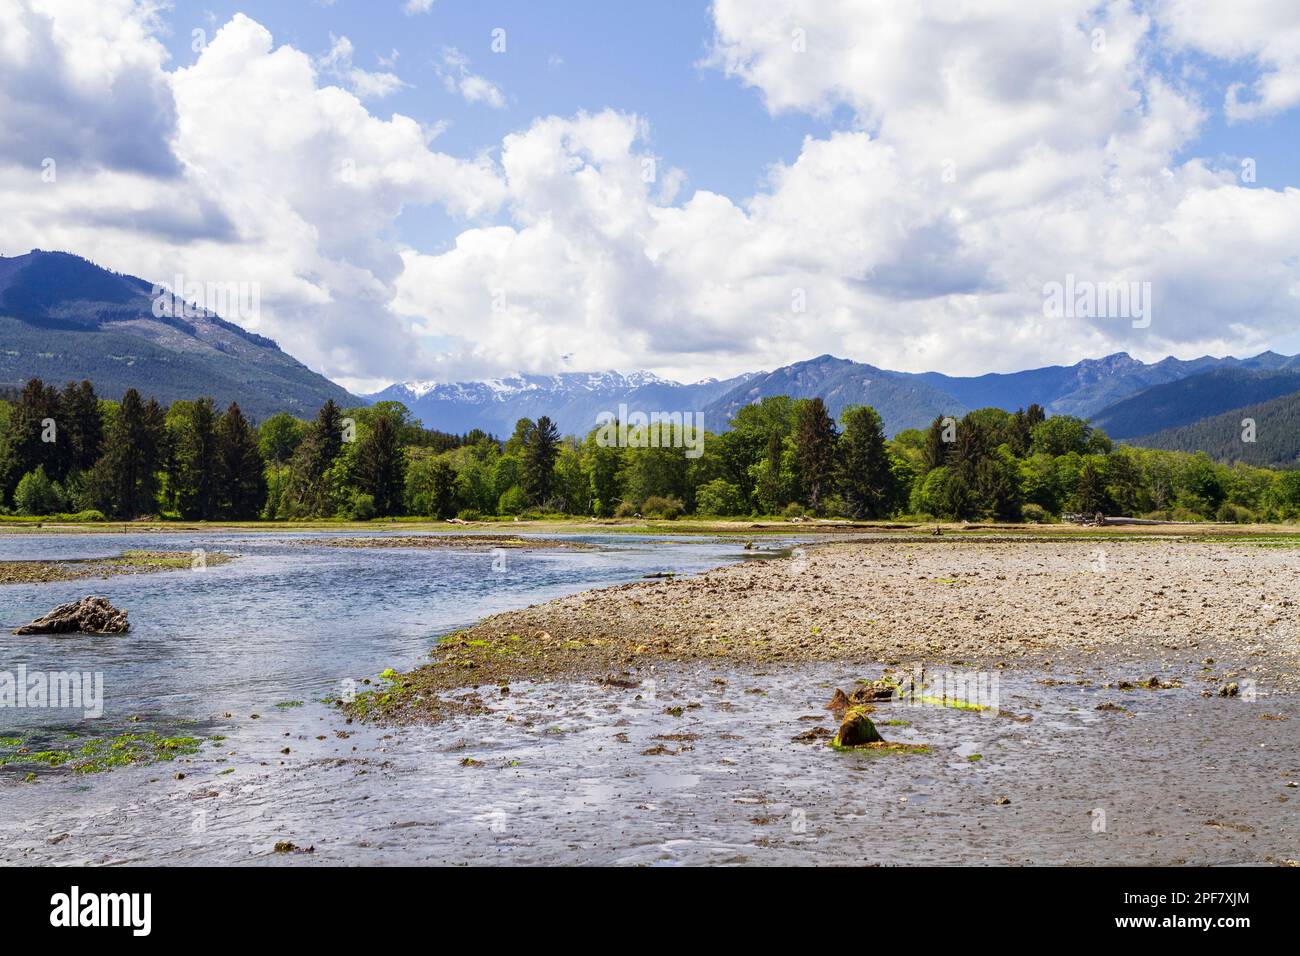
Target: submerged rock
90,615
856,729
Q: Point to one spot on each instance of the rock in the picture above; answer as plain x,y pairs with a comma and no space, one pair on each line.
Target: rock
1002,801
877,690
90,615
856,729
839,702
1229,689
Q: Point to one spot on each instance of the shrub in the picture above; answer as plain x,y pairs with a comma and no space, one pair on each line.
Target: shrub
512,501
362,508
1033,513
719,497
657,506
625,509
469,514
793,510
1237,514
37,495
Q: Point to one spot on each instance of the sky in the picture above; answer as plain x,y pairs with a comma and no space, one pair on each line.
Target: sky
459,189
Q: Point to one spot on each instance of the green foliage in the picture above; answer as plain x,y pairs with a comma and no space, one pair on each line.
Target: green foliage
719,497
37,495
781,456
279,437
657,506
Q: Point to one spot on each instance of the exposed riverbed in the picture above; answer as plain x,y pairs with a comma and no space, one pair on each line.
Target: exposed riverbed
693,761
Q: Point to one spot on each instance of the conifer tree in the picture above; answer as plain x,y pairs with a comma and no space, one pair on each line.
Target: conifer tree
381,466
541,450
241,474
814,442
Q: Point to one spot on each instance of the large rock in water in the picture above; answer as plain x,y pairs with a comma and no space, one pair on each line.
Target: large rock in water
856,729
90,615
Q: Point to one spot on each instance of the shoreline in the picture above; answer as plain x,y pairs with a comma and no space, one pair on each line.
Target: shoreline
1203,614
708,527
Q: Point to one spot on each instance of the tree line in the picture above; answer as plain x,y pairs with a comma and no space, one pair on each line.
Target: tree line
66,451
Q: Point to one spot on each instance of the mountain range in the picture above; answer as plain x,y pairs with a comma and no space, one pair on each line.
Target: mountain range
64,318
1125,396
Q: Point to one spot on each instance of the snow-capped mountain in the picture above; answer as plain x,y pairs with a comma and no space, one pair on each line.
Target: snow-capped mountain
572,399
903,399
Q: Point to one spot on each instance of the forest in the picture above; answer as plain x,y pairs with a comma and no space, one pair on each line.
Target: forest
69,453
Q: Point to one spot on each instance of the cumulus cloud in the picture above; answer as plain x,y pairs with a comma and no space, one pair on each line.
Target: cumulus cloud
364,83
457,78
84,88
923,238
1263,32
1049,142
296,191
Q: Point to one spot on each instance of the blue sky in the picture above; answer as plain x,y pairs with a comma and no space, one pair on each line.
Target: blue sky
560,57
896,183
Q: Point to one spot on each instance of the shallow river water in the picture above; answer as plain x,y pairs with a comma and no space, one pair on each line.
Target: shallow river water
694,765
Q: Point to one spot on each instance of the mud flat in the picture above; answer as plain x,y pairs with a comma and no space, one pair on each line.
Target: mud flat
1200,614
455,542
128,562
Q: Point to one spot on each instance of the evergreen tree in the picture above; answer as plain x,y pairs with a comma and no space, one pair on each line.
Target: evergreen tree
83,423
241,470
310,490
124,482
865,472
936,451
193,470
381,466
1090,493
541,449
770,489
37,438
814,443
442,490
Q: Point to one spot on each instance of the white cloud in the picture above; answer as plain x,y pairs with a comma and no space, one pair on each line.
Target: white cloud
457,78
920,236
1265,32
1045,145
413,7
365,84
296,191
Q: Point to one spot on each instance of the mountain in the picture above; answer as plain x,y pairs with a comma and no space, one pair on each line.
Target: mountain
573,400
1188,400
903,399
1277,434
64,318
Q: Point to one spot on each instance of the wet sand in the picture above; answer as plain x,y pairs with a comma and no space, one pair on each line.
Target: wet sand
697,764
